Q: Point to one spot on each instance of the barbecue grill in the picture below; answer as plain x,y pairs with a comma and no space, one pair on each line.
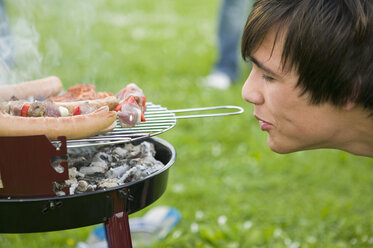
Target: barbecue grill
29,204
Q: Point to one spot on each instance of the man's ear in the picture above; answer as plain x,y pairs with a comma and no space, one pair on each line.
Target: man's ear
349,105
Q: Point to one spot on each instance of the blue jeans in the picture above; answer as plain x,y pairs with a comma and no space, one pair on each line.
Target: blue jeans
233,14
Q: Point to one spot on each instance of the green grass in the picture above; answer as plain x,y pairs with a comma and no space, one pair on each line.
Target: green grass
224,168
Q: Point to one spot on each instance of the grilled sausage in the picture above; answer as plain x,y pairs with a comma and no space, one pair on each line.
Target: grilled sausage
73,127
36,89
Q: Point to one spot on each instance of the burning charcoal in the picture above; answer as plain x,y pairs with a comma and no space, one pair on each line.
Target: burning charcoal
117,172
131,175
134,162
94,178
107,183
60,193
147,172
109,166
58,186
82,186
137,174
74,174
123,162
98,166
106,149
79,161
147,149
72,182
149,161
89,170
101,157
151,169
158,164
124,177
73,187
91,188
82,151
120,153
134,151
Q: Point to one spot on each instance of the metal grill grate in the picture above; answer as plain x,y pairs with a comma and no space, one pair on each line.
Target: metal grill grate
158,120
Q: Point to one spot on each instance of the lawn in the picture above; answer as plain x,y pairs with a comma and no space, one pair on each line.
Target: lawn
230,189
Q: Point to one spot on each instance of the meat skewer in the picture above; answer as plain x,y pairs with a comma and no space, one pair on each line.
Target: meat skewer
132,105
73,127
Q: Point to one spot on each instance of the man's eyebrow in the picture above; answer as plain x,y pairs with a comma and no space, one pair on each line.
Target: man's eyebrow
261,66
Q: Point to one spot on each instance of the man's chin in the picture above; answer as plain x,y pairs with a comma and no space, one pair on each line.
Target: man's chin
280,150
280,147
283,148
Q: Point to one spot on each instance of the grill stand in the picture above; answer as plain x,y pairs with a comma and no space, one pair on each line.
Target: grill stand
118,233
117,227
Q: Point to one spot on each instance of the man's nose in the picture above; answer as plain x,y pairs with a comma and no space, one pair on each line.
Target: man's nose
251,90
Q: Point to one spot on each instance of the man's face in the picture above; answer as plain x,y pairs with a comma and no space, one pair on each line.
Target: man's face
292,123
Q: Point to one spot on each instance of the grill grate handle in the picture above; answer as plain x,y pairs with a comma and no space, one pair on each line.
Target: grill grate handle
158,120
238,109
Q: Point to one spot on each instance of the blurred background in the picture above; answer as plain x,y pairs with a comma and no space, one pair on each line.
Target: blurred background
230,189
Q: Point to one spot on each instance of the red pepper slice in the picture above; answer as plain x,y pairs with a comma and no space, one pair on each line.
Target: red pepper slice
143,102
142,117
24,110
119,106
131,99
77,111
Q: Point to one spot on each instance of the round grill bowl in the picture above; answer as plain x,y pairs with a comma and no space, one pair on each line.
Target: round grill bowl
42,214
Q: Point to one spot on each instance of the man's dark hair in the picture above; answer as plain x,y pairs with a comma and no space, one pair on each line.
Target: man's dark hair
328,42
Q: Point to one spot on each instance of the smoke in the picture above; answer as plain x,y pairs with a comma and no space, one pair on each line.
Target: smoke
29,59
27,53
6,49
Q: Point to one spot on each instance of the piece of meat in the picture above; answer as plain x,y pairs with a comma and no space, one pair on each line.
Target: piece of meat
132,90
129,115
132,105
52,109
80,92
85,108
16,108
37,109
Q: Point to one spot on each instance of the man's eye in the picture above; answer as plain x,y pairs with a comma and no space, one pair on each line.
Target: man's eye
267,78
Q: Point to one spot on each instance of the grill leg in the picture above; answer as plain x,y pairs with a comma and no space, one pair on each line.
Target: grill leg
118,231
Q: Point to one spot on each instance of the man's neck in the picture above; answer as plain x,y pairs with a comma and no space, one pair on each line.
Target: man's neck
357,133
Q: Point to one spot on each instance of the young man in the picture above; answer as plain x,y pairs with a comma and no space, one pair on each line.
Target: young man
312,73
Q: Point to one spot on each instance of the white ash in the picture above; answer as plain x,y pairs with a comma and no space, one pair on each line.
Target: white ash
116,172
107,183
94,168
82,186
